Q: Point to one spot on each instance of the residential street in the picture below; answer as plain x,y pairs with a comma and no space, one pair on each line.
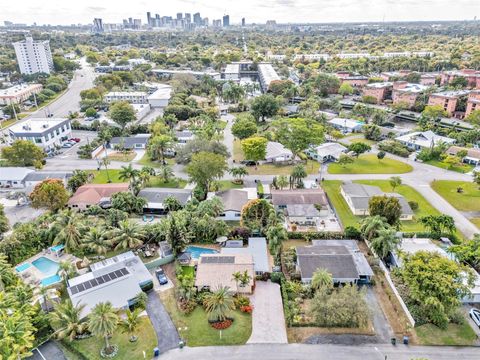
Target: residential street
228,137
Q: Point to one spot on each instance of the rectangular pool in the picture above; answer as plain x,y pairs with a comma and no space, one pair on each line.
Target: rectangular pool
51,280
46,266
196,251
22,267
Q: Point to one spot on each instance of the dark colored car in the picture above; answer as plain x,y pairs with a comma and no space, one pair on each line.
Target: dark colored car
249,163
162,278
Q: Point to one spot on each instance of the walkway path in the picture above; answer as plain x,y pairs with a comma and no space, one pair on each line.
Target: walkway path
162,323
268,323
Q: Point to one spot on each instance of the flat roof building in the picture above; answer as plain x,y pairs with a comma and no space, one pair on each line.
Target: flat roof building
19,93
48,133
267,74
34,57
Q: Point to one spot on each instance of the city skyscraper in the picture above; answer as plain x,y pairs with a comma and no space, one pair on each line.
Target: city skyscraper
149,18
226,20
197,19
179,16
188,18
34,56
97,26
243,21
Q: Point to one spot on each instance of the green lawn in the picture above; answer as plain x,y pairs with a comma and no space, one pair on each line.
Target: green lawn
102,178
174,183
475,221
237,151
196,330
188,270
468,200
147,340
461,168
429,334
227,185
369,164
332,188
311,166
145,161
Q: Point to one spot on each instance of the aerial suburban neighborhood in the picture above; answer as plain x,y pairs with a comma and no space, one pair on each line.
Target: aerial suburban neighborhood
186,187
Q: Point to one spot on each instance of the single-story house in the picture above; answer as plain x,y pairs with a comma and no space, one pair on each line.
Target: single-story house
341,258
118,280
36,177
183,136
13,177
358,197
423,140
303,214
138,141
233,201
216,270
282,198
472,157
95,194
156,196
276,152
329,151
257,247
347,125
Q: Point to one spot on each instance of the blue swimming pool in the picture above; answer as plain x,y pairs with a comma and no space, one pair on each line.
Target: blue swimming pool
196,251
51,280
22,267
57,247
46,266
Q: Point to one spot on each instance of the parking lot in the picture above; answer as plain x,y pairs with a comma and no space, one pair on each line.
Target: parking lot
71,153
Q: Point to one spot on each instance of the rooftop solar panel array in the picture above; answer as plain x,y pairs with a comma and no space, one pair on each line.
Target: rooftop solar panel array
86,285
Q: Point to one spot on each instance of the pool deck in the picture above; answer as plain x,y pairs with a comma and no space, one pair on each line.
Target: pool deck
32,275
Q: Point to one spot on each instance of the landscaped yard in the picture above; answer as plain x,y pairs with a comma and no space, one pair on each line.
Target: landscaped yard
173,183
468,200
101,177
145,161
369,164
118,156
461,168
196,330
228,184
147,340
429,334
332,188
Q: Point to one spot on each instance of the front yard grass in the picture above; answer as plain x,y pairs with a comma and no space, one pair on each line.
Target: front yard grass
332,188
227,185
455,334
369,164
146,161
312,167
147,340
461,168
468,200
174,183
196,331
118,156
101,177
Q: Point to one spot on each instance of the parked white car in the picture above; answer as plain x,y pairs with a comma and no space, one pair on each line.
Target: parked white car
475,315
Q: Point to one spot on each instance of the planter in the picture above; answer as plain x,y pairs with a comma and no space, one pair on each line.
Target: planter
104,354
221,325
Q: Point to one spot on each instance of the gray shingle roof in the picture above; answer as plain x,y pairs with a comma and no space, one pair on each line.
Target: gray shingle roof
233,199
158,195
44,175
300,196
130,141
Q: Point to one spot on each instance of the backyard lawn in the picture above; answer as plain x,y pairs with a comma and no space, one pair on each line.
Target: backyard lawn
462,334
332,188
196,330
173,183
369,164
461,168
100,177
468,200
147,340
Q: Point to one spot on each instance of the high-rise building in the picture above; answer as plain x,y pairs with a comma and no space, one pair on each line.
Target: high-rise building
188,18
137,24
197,19
149,19
34,56
226,20
179,16
243,21
97,26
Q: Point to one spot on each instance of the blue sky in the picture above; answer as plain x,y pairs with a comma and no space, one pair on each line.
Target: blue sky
68,11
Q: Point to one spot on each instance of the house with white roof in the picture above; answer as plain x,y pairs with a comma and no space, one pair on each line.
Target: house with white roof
47,133
347,125
257,248
13,177
160,97
276,152
329,151
423,140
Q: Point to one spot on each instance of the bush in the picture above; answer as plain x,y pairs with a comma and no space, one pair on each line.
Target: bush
241,300
246,309
413,205
394,147
277,277
352,232
308,236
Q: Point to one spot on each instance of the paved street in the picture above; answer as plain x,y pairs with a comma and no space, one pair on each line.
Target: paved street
228,136
320,352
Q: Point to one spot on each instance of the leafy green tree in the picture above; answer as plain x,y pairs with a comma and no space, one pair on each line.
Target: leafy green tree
326,84
243,128
95,242
165,172
451,161
345,89
468,252
122,113
128,235
68,321
297,134
385,242
49,194
476,177
395,181
128,202
255,148
372,132
206,167
91,113
158,146
434,112
23,153
381,155
16,331
218,304
264,106
238,172
474,117
4,226
66,270
386,206
371,226
438,224
282,182
359,148
171,203
298,174
78,178
345,159
256,214
102,322
131,323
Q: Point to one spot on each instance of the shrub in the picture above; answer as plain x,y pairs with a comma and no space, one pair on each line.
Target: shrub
241,300
222,325
413,205
394,147
246,309
277,277
351,232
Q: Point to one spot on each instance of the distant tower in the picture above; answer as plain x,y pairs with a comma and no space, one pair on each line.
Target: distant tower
149,18
226,20
97,26
243,21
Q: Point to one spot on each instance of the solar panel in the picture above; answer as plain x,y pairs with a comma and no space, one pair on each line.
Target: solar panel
98,281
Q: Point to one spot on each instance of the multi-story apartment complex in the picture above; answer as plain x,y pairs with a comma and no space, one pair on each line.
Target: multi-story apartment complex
407,93
34,56
46,133
472,77
380,91
449,101
19,93
133,97
473,102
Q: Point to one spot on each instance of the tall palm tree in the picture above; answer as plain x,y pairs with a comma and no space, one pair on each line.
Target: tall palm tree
321,279
218,304
128,173
128,235
237,276
370,226
238,172
103,322
298,173
275,236
105,162
66,270
95,242
131,323
282,182
68,321
71,226
245,279
165,172
158,145
385,242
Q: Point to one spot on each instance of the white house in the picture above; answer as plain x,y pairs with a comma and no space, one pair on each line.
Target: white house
132,97
45,133
257,248
233,201
19,93
34,56
326,152
423,140
232,72
36,177
13,177
160,97
347,125
138,141
276,152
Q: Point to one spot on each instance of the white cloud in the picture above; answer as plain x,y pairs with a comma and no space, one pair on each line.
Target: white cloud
67,12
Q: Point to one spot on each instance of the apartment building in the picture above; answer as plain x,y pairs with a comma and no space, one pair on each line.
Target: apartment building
448,100
472,76
380,91
132,97
473,102
45,133
19,93
34,56
407,93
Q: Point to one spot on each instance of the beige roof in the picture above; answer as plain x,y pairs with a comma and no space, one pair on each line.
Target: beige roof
216,270
299,196
91,194
471,152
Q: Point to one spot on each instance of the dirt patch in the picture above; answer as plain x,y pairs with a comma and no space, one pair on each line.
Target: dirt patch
317,335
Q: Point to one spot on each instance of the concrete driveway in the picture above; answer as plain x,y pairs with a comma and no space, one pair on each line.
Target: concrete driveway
167,334
47,351
268,323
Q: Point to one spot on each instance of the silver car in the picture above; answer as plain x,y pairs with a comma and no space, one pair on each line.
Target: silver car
475,315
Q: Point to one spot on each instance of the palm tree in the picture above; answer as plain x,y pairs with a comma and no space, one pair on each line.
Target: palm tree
67,320
105,162
165,172
103,322
158,145
95,242
145,174
66,270
276,235
141,300
70,225
237,276
7,276
370,226
238,172
245,279
282,182
131,323
218,304
385,242
128,235
298,173
321,279
395,181
128,173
